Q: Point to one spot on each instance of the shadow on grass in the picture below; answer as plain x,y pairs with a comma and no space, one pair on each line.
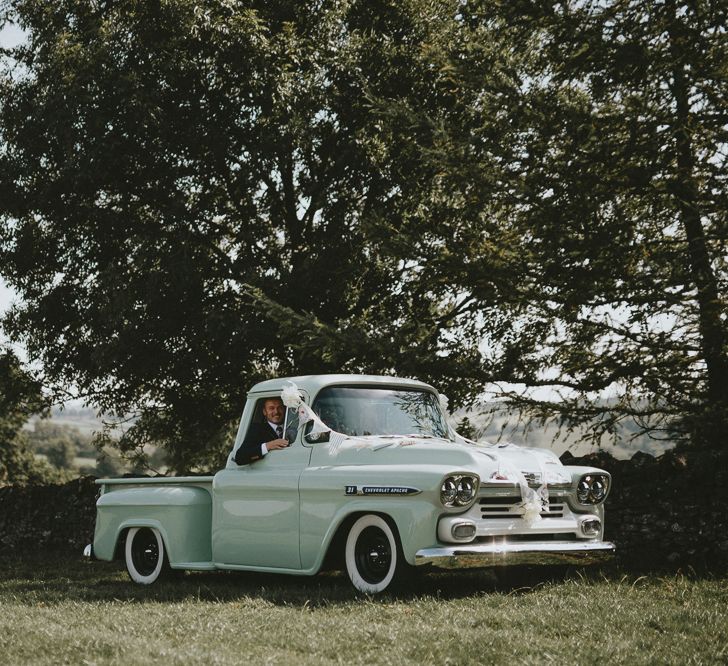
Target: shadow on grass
48,580
56,580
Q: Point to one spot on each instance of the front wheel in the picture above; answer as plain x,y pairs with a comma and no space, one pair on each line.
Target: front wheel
373,558
145,558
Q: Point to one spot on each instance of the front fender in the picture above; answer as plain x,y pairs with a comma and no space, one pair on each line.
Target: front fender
325,505
416,523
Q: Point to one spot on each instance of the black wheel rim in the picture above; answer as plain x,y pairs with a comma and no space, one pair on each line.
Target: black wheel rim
145,551
373,555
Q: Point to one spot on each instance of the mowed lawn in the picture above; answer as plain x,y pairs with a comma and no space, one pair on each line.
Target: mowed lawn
68,611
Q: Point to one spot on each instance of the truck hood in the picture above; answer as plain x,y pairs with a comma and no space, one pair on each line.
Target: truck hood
492,462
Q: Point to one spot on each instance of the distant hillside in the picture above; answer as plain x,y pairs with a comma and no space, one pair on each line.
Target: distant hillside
506,427
65,440
83,418
501,426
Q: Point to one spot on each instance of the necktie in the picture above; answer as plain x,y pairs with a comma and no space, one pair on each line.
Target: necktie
279,431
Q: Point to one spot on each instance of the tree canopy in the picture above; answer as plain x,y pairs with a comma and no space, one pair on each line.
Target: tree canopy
195,195
587,162
176,173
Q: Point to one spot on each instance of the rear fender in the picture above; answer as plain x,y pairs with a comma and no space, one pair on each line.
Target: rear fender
183,516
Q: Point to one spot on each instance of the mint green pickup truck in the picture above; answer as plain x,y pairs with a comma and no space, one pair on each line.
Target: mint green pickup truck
374,481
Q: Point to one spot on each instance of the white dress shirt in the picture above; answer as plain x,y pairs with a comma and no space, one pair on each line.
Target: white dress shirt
275,426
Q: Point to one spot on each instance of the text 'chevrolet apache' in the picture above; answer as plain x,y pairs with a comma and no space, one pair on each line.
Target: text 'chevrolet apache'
374,479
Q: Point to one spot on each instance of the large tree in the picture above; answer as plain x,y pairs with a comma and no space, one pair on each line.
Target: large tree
189,203
196,195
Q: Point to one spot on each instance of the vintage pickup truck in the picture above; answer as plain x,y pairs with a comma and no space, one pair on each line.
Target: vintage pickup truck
375,481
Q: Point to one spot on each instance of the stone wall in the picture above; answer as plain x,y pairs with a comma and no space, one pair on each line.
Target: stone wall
669,512
58,520
663,513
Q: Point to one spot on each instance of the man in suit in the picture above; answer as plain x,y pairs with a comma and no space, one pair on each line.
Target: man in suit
262,438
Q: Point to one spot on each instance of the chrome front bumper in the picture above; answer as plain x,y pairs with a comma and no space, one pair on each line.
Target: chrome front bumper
475,555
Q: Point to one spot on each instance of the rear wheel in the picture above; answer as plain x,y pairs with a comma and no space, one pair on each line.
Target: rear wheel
373,557
144,552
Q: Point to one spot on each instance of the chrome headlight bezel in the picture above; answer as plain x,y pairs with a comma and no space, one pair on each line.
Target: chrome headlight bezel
458,491
449,491
592,488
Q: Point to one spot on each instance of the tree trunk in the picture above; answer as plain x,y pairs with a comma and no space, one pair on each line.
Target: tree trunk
710,324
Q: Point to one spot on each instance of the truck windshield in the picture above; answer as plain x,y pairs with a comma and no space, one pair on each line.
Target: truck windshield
380,411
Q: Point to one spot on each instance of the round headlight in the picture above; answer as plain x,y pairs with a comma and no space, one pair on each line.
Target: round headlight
598,490
459,490
582,490
466,491
449,491
592,488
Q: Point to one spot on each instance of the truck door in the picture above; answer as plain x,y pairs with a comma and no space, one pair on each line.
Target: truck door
256,510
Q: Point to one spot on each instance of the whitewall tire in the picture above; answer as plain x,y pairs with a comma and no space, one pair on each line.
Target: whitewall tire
371,554
144,554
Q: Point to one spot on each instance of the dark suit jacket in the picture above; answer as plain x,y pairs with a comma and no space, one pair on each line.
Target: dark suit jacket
251,448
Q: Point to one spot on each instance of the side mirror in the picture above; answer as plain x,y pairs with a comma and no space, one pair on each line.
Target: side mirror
317,438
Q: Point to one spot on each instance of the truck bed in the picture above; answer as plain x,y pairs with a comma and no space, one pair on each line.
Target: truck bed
179,507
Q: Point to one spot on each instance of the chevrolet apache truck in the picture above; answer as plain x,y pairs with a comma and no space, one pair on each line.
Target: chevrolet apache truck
374,479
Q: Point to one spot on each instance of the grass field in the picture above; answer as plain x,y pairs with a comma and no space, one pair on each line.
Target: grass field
74,612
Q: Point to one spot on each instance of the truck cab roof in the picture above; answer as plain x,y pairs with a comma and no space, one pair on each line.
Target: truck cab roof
312,384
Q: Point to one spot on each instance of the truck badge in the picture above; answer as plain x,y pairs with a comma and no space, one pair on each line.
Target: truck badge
381,490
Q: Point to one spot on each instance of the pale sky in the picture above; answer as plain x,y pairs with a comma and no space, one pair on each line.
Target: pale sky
6,296
11,36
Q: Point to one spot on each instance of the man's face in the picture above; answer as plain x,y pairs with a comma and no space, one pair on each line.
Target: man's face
273,410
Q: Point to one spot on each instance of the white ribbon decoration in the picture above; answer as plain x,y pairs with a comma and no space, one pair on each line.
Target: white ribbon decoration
291,397
534,501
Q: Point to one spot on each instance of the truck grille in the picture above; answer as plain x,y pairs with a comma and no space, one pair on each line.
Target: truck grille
514,538
508,507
